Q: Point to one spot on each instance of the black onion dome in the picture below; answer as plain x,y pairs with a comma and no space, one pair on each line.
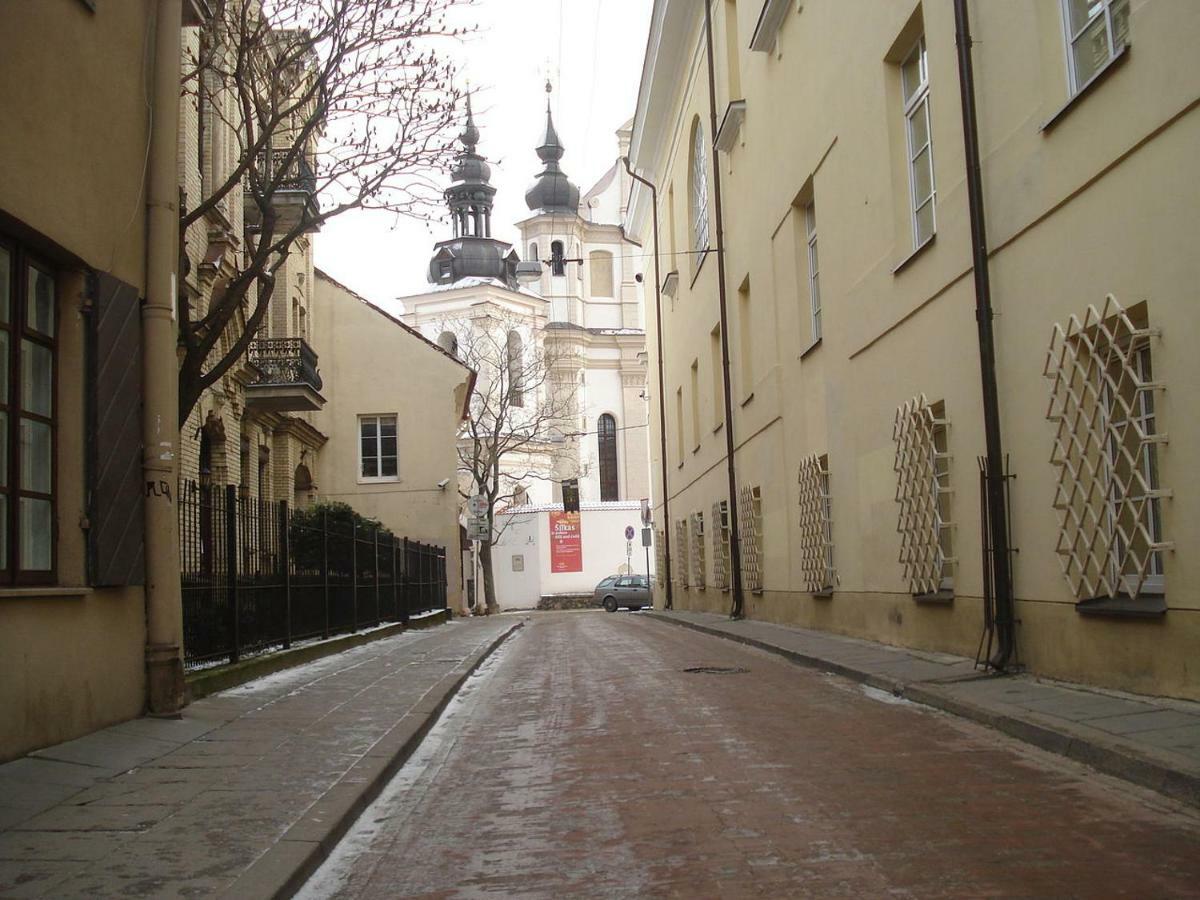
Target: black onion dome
552,191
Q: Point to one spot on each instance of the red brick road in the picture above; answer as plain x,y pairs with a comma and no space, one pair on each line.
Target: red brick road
587,763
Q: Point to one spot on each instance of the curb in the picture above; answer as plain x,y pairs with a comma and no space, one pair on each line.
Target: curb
1125,763
287,865
202,684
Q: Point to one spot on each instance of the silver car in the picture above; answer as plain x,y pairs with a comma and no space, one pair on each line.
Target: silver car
615,591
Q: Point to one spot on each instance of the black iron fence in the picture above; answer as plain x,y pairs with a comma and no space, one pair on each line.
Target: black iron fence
257,576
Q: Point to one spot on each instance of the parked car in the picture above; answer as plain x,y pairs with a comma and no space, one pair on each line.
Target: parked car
632,591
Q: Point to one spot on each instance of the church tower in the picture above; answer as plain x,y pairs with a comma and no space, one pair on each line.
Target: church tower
472,252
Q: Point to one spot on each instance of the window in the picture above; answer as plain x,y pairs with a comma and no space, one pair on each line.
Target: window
679,422
1108,491
377,448
533,253
681,542
814,283
718,382
816,526
28,331
1096,31
515,370
601,263
745,340
606,437
698,561
695,384
558,264
720,540
750,533
699,191
914,78
923,494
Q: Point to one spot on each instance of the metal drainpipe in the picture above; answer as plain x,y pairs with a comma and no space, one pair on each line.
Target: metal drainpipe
160,410
662,397
735,544
997,512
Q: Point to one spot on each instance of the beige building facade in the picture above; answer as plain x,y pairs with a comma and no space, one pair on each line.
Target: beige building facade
390,377
855,370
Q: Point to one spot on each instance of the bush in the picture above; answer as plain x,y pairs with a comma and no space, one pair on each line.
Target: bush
309,542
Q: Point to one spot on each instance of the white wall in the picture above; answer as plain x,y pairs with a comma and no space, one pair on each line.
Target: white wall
528,535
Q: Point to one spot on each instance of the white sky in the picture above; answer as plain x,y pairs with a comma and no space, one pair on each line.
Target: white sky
592,50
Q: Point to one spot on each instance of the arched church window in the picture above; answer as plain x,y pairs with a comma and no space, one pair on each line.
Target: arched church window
533,252
516,392
699,190
606,436
558,264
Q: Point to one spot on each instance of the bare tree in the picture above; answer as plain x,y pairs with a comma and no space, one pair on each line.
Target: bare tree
331,105
522,413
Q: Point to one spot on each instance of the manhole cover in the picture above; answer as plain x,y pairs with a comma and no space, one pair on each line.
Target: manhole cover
716,670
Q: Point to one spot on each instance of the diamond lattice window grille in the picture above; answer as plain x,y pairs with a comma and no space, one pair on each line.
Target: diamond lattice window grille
923,492
720,544
750,524
698,561
681,541
1102,403
816,526
660,553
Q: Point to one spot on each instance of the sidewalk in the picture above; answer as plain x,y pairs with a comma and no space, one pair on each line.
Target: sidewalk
247,792
1153,742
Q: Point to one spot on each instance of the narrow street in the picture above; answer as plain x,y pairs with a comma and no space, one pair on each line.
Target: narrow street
585,760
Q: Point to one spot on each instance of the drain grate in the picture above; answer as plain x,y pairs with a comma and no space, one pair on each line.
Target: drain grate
716,670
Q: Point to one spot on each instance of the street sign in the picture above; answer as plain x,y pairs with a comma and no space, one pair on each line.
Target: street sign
646,537
477,505
477,529
629,532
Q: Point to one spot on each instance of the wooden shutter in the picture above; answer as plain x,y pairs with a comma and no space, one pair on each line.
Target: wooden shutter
115,498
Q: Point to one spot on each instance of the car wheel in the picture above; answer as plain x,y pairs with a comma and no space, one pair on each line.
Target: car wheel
610,604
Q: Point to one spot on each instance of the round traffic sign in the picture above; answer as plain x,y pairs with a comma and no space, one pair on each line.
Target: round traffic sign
629,532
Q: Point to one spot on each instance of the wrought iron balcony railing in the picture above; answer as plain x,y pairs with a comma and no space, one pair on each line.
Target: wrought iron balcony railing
285,361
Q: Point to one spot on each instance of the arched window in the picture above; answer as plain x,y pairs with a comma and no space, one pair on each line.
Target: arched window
601,263
533,253
558,264
516,392
606,435
448,342
698,194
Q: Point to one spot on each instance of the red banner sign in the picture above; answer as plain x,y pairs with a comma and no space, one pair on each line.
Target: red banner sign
566,542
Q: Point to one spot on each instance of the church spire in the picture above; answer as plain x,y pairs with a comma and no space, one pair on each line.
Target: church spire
552,191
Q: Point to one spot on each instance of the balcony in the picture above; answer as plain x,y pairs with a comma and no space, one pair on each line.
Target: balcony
289,380
293,199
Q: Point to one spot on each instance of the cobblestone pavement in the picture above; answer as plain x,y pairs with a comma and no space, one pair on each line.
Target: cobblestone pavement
585,761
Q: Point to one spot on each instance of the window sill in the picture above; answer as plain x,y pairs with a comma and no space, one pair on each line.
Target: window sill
810,348
907,261
395,480
44,593
826,594
749,397
1102,73
937,598
1124,607
757,592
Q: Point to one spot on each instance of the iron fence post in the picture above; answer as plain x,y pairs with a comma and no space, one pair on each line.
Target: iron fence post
395,583
231,571
285,561
404,612
354,574
325,564
378,608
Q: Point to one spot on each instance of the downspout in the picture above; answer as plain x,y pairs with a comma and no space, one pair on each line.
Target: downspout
662,397
160,401
995,477
735,543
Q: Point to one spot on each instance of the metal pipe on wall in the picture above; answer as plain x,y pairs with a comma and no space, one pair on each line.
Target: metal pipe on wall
160,416
735,545
662,397
996,475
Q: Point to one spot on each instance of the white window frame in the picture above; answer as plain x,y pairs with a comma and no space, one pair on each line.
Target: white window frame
1074,36
378,419
916,104
699,198
814,283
